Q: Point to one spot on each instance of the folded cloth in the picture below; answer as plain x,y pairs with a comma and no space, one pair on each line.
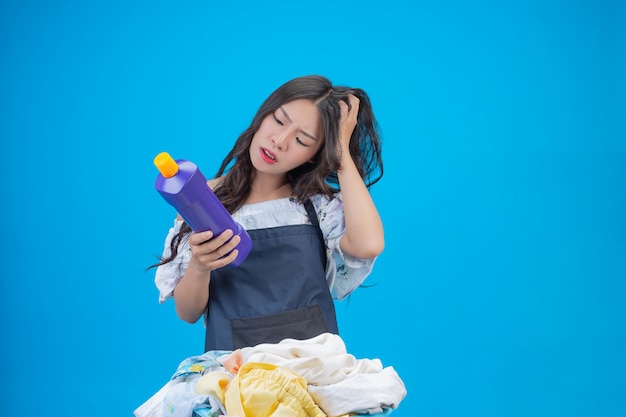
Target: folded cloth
153,407
183,401
338,382
213,383
321,360
265,390
360,393
327,380
178,397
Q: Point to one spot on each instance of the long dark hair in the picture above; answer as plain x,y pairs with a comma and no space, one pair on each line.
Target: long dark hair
317,177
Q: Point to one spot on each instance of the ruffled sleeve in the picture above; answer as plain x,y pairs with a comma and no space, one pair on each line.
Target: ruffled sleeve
344,272
168,275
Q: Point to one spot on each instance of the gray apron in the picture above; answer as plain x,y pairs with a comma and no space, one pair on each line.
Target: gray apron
279,291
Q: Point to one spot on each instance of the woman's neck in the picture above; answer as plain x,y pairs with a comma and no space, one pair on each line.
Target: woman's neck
265,189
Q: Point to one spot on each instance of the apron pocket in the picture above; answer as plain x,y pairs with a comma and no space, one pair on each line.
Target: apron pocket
300,324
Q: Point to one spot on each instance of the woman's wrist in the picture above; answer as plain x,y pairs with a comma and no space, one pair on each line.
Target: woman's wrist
346,162
198,271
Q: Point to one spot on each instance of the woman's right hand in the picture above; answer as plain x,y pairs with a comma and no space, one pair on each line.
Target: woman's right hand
210,253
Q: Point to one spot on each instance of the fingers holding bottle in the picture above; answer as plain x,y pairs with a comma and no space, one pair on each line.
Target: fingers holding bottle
210,253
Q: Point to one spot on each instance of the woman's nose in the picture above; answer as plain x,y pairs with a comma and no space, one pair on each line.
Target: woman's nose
280,141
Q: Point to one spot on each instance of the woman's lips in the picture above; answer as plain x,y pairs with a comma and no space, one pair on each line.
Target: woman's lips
268,156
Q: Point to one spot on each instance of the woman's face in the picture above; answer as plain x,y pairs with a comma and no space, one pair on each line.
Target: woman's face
287,138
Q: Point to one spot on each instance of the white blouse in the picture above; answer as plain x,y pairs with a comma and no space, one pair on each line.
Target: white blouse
344,273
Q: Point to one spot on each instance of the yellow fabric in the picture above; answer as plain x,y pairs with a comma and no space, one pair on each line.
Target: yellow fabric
213,383
265,390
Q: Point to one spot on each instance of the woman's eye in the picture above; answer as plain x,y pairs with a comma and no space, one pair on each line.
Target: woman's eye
277,120
300,142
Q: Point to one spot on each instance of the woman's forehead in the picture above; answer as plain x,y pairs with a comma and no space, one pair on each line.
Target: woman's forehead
302,112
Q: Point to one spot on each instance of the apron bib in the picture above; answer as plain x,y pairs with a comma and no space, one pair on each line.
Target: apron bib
279,291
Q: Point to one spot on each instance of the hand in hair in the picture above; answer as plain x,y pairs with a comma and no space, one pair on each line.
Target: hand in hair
347,123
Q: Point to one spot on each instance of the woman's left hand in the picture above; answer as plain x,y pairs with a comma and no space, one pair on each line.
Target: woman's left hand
347,123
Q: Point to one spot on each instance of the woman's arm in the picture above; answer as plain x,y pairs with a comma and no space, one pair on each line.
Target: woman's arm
207,253
192,291
364,237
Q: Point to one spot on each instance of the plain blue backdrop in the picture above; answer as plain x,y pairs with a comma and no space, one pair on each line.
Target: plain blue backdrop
501,291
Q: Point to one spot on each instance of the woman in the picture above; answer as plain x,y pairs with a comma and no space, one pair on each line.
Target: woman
297,179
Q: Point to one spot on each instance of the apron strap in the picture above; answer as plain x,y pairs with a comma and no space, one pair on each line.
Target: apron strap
308,205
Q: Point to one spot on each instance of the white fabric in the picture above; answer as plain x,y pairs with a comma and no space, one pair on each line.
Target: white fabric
344,273
339,383
153,407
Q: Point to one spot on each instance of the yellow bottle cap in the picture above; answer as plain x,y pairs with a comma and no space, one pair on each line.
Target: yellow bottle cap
166,164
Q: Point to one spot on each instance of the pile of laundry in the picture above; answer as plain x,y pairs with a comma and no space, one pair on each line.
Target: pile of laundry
314,377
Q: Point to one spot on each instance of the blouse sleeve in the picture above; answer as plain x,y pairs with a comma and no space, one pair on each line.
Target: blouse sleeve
168,275
344,272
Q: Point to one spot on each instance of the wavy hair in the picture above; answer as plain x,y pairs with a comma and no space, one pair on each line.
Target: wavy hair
317,177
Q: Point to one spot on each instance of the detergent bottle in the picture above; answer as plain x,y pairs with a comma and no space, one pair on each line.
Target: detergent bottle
183,186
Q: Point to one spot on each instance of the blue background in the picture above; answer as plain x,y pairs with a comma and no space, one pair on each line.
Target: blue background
501,291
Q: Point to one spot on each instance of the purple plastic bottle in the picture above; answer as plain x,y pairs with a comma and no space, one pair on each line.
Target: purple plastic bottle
182,185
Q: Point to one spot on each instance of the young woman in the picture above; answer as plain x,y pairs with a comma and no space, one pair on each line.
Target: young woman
297,180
